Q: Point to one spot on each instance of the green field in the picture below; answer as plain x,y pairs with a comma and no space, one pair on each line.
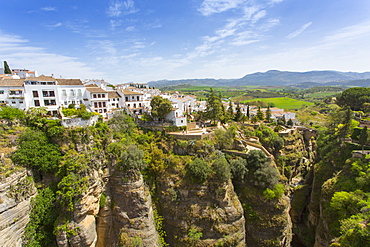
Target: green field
283,102
321,95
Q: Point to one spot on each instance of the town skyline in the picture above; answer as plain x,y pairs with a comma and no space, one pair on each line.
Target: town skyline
142,41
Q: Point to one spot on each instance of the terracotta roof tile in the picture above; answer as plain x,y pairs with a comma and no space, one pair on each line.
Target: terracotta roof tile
76,82
112,95
96,90
12,82
128,92
40,78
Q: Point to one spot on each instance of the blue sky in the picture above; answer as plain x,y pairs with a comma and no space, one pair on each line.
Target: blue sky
144,40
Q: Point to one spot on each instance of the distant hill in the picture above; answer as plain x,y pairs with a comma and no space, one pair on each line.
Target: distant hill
280,78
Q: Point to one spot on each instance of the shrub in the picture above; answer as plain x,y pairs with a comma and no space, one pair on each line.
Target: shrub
221,168
35,151
198,170
275,193
238,168
39,230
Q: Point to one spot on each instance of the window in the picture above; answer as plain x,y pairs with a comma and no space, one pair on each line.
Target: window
48,94
21,102
79,93
72,93
35,94
138,98
64,93
96,104
15,92
13,102
94,95
37,102
126,98
1,91
50,102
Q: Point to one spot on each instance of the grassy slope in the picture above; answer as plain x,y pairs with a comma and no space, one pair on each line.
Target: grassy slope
283,102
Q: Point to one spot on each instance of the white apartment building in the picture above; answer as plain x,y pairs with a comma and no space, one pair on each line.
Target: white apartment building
97,99
24,73
12,93
134,101
46,91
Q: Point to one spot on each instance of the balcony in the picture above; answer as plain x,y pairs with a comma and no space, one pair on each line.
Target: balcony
16,94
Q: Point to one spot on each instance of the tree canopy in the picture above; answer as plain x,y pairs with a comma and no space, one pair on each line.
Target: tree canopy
160,107
37,152
214,110
355,98
6,68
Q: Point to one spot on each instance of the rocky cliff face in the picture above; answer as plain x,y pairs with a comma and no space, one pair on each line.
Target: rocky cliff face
126,215
116,207
16,192
201,215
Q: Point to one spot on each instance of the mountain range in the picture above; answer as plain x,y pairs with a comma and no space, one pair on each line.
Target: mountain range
280,78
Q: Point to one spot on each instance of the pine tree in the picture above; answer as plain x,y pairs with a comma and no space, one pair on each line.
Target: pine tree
268,114
248,114
290,122
6,68
259,114
214,109
230,111
363,137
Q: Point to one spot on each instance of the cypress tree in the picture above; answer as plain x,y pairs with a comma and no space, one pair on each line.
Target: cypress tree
239,115
6,68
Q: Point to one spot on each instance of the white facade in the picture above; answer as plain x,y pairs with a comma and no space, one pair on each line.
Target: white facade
24,73
97,100
12,93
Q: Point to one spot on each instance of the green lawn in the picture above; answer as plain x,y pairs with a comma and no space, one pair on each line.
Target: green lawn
283,102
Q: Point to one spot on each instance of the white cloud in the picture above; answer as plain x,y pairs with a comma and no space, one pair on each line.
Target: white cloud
119,8
259,15
246,38
19,54
350,33
209,7
58,24
49,8
115,23
299,31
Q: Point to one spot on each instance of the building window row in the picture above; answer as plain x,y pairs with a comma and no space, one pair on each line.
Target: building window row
134,105
40,83
132,98
48,93
98,95
15,92
50,102
99,104
101,110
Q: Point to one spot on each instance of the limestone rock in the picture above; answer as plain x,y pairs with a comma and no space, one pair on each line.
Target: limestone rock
15,206
128,213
